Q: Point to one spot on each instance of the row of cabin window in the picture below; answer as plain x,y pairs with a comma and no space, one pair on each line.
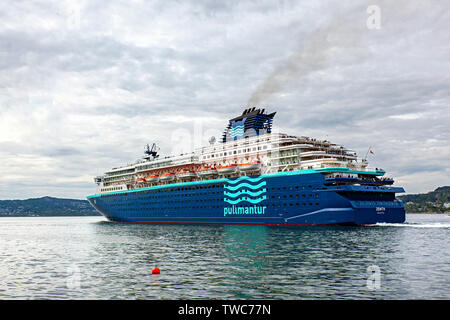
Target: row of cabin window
209,187
110,189
290,188
204,200
218,192
297,196
222,154
176,189
285,204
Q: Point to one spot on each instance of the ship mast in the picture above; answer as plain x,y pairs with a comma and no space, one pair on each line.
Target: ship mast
151,153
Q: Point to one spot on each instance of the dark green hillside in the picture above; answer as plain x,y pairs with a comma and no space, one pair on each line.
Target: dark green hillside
46,206
434,201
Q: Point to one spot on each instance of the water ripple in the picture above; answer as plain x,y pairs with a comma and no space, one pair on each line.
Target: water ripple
89,258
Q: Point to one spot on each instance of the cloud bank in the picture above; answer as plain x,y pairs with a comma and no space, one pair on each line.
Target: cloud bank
85,85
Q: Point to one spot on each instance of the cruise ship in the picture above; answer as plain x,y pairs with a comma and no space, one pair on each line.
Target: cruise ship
251,176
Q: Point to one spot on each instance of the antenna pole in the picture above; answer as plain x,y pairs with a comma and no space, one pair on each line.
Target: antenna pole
365,158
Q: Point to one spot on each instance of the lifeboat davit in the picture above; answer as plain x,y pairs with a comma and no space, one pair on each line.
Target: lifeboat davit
154,178
229,169
167,177
186,175
251,166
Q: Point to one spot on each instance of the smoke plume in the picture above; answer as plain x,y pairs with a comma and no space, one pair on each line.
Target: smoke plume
312,55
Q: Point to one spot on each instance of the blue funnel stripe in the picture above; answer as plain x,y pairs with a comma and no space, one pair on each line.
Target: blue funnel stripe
239,123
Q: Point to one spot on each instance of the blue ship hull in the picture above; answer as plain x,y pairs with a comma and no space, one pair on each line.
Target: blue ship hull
287,198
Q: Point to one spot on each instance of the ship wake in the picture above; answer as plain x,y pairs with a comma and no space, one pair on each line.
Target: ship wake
413,225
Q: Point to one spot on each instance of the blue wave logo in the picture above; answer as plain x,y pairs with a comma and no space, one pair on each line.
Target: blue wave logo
238,128
245,189
237,131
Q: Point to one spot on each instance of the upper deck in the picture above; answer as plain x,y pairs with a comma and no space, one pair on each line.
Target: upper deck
248,147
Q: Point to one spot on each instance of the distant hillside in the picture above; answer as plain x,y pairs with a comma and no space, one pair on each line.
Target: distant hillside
434,201
46,206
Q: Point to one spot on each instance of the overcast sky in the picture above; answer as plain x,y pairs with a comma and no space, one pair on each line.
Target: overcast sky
84,85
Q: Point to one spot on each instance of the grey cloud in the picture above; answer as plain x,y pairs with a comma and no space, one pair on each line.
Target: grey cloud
78,100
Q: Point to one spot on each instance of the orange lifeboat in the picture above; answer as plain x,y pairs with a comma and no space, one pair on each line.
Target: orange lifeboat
186,174
167,177
228,169
250,166
206,172
154,178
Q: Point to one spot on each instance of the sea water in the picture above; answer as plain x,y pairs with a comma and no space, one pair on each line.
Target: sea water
91,258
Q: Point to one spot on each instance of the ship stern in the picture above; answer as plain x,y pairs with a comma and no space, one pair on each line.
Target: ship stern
368,214
374,204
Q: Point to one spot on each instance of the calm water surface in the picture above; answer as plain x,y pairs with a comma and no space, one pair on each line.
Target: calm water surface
90,258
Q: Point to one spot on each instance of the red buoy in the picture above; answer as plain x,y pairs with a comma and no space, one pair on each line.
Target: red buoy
155,271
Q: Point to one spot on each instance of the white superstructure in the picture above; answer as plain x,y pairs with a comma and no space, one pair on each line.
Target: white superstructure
260,154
